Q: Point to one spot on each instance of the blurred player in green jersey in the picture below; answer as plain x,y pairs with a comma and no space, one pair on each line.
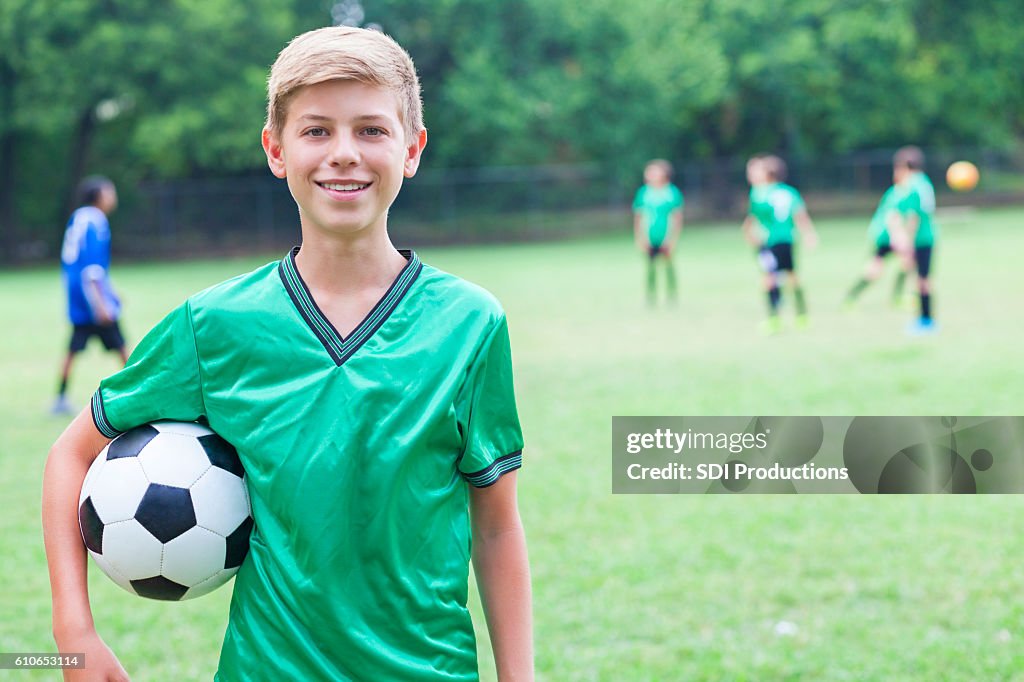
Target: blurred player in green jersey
914,230
878,231
657,222
776,212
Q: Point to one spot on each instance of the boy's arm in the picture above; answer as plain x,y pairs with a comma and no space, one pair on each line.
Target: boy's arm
503,575
639,231
748,231
73,627
675,228
896,224
92,278
806,227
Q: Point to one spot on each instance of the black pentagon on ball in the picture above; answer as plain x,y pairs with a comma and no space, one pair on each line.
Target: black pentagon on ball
92,527
166,512
130,443
159,588
238,544
222,454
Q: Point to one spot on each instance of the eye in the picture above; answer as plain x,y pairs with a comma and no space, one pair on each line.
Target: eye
316,132
374,131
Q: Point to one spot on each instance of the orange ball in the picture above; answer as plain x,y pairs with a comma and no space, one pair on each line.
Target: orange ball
962,176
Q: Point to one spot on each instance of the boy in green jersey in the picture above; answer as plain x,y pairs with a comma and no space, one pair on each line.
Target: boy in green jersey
369,397
914,231
657,223
776,212
878,231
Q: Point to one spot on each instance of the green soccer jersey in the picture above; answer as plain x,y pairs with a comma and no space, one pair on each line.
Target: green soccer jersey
774,206
919,200
878,229
358,453
656,204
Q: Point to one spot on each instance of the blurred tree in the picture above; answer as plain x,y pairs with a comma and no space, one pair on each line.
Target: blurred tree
176,89
129,88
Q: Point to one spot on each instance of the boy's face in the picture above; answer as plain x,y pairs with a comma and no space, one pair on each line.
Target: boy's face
655,175
899,173
756,173
107,199
343,150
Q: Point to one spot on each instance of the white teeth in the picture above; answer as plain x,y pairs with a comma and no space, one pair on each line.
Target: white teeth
351,187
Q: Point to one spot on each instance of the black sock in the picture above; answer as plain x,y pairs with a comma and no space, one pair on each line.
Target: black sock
801,304
926,306
860,286
774,297
63,387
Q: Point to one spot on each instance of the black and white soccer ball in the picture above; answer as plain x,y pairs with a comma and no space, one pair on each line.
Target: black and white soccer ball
164,510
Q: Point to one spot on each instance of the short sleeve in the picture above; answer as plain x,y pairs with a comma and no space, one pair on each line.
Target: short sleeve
798,202
160,381
492,440
909,203
677,197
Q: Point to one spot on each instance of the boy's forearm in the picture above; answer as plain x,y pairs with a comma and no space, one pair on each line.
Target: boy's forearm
804,223
503,575
677,224
638,230
65,470
748,229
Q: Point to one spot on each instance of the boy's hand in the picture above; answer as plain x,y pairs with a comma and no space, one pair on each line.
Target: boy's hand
811,240
103,318
101,665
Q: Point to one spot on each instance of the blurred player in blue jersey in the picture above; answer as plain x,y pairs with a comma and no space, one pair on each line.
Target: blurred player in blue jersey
93,307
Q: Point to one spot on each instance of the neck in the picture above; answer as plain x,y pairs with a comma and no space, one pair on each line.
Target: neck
347,263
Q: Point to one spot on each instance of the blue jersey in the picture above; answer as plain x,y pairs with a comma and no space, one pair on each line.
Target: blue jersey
85,259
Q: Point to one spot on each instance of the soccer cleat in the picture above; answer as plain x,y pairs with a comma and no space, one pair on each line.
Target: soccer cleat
771,326
922,327
61,406
802,321
907,303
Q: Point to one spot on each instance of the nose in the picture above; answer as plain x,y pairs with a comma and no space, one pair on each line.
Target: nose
344,150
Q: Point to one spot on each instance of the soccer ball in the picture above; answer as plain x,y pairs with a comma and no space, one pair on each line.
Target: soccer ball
962,176
164,511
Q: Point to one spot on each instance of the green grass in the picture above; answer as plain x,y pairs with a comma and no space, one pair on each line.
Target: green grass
648,587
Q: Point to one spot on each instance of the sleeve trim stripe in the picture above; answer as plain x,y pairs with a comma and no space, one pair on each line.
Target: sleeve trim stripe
99,417
497,468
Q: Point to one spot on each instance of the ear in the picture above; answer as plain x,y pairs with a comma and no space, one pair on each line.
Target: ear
275,153
413,153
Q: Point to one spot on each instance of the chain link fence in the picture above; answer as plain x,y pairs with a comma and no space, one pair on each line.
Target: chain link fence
457,206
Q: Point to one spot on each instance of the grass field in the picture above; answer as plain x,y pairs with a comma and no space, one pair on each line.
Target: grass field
648,588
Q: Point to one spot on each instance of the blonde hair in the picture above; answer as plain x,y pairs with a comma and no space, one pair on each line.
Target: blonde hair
664,165
344,53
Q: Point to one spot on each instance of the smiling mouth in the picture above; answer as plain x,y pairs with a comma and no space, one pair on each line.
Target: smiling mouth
345,186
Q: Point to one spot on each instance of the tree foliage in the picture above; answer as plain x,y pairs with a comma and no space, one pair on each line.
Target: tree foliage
175,89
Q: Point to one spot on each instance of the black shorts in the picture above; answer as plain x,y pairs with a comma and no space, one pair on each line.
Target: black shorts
777,258
883,251
110,335
653,251
923,258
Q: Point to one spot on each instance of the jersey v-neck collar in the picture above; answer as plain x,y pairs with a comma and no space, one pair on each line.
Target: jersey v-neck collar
339,347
